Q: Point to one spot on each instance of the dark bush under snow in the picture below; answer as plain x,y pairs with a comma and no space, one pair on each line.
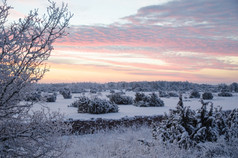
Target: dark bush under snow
94,106
188,128
152,100
207,96
120,99
66,93
194,94
224,94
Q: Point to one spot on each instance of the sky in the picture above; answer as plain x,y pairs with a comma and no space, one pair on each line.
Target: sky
144,40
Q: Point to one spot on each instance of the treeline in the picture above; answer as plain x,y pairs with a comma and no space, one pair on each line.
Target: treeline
137,86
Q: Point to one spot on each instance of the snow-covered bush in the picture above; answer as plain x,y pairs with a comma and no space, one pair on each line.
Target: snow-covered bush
120,99
224,94
163,94
189,128
35,96
82,104
139,97
194,94
206,128
207,96
66,93
232,125
154,100
112,91
173,94
142,100
177,127
51,97
94,106
93,90
101,106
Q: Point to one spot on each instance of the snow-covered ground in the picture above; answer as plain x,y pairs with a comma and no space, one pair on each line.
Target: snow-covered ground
61,105
124,143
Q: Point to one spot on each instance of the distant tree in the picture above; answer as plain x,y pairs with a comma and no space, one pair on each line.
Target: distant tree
24,46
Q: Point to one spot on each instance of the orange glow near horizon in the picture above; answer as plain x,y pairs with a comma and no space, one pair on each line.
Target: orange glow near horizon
68,73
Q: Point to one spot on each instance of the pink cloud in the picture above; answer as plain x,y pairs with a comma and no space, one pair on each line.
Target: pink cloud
207,29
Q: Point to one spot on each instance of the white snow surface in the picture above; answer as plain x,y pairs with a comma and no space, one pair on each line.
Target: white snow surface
62,105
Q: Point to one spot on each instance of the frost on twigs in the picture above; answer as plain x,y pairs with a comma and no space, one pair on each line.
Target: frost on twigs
33,135
24,46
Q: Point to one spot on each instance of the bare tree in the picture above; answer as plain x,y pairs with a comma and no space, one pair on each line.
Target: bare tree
24,46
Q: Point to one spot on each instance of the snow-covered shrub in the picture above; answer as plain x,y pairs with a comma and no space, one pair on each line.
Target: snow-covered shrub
173,94
206,128
194,94
207,96
142,100
232,125
82,104
177,127
139,97
100,106
94,106
66,93
93,90
117,98
112,91
224,94
51,97
187,127
35,96
155,100
163,94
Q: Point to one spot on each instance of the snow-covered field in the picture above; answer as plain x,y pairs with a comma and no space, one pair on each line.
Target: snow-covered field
61,105
124,143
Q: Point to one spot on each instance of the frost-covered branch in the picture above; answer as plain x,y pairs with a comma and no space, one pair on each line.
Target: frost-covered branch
24,46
